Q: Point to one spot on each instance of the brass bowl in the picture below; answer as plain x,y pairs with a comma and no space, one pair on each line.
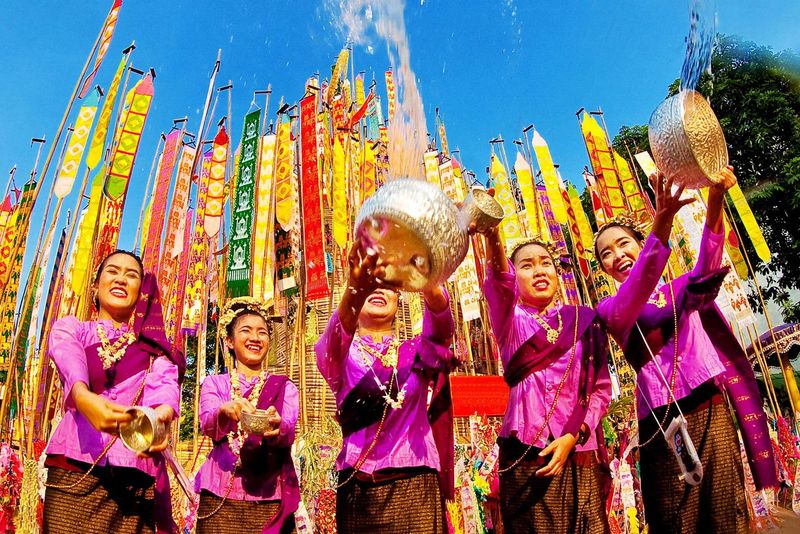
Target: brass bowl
144,431
687,140
256,422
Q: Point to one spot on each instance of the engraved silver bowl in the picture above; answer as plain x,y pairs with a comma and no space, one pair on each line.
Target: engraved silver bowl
687,140
418,233
144,431
256,422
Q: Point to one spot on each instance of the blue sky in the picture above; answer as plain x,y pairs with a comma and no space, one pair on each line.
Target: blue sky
490,66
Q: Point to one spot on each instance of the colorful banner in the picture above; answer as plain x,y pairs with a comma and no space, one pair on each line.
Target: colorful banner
95,153
76,146
580,218
603,165
264,238
339,71
510,227
341,219
443,139
215,196
431,160
173,242
557,235
360,93
469,290
630,186
390,95
550,177
749,222
451,185
369,169
152,245
108,34
197,268
82,251
525,181
243,205
316,278
284,172
575,233
15,236
284,263
177,295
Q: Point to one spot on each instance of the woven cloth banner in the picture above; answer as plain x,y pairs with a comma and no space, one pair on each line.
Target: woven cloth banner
240,241
313,241
198,256
550,177
431,160
177,288
264,238
580,218
557,235
339,71
603,165
575,232
284,172
373,119
525,180
110,220
15,236
630,186
510,227
76,146
284,263
95,152
128,145
360,93
469,291
108,33
215,196
390,95
341,218
82,252
174,242
152,245
749,221
443,139
451,185
368,172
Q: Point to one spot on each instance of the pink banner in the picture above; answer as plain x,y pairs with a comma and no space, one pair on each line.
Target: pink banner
152,246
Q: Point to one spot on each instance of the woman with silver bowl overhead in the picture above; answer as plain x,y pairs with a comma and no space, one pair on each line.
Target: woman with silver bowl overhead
120,359
685,355
248,483
552,463
396,463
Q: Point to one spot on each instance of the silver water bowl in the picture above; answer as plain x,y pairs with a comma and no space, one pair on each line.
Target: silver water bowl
687,140
256,422
418,233
144,431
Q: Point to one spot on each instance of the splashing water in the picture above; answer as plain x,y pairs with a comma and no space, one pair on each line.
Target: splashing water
699,42
357,20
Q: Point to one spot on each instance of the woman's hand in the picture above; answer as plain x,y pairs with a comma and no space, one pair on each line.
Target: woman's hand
560,449
668,203
102,414
716,198
274,419
233,409
727,179
164,414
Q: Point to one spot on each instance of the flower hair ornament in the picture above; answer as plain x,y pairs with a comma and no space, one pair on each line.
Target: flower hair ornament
236,306
562,261
625,220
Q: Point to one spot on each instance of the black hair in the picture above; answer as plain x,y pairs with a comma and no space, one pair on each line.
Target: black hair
634,233
103,265
537,242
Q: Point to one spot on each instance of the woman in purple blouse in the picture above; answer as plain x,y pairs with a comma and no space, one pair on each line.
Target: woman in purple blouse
553,475
395,442
121,359
685,356
248,483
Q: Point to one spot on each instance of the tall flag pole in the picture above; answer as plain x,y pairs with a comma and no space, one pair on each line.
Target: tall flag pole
108,34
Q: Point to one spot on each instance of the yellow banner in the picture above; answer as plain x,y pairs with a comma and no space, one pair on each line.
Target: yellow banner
339,194
284,171
263,256
77,143
749,221
630,186
525,180
510,227
603,165
83,251
339,70
368,172
95,152
550,177
431,159
582,221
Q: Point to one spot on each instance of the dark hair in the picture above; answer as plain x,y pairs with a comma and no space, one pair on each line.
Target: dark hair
103,265
244,312
536,242
633,232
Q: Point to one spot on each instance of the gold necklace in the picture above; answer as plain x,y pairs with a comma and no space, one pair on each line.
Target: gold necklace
660,300
236,437
111,353
388,359
552,334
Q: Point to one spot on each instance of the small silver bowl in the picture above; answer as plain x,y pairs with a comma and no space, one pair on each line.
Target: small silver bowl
256,422
144,431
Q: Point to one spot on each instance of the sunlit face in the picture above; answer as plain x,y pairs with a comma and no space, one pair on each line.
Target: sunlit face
117,287
249,340
617,250
537,277
380,306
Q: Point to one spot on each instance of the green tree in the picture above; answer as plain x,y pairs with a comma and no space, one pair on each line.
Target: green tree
755,93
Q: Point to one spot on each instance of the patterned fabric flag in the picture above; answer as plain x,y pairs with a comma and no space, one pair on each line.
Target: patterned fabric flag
443,139
630,186
152,245
468,289
75,147
603,165
557,235
510,227
550,177
264,238
197,267
54,286
82,252
177,295
284,171
749,222
108,33
360,93
110,220
215,196
575,232
240,241
341,218
173,241
339,70
581,219
125,152
95,152
313,244
368,171
431,160
374,119
390,95
452,186
284,263
525,180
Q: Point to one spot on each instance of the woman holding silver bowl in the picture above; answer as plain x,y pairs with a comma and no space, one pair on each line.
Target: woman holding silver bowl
248,483
396,463
119,360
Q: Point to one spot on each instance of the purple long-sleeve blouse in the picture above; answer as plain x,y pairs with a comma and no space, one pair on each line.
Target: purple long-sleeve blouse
406,439
74,437
512,324
215,473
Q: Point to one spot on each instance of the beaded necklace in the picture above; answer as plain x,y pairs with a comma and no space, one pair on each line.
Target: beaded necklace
552,333
388,359
111,353
236,437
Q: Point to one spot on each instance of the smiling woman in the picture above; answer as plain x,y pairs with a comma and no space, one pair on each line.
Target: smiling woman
248,483
121,359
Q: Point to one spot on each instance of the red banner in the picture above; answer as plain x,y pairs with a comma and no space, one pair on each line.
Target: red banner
484,395
313,248
152,246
